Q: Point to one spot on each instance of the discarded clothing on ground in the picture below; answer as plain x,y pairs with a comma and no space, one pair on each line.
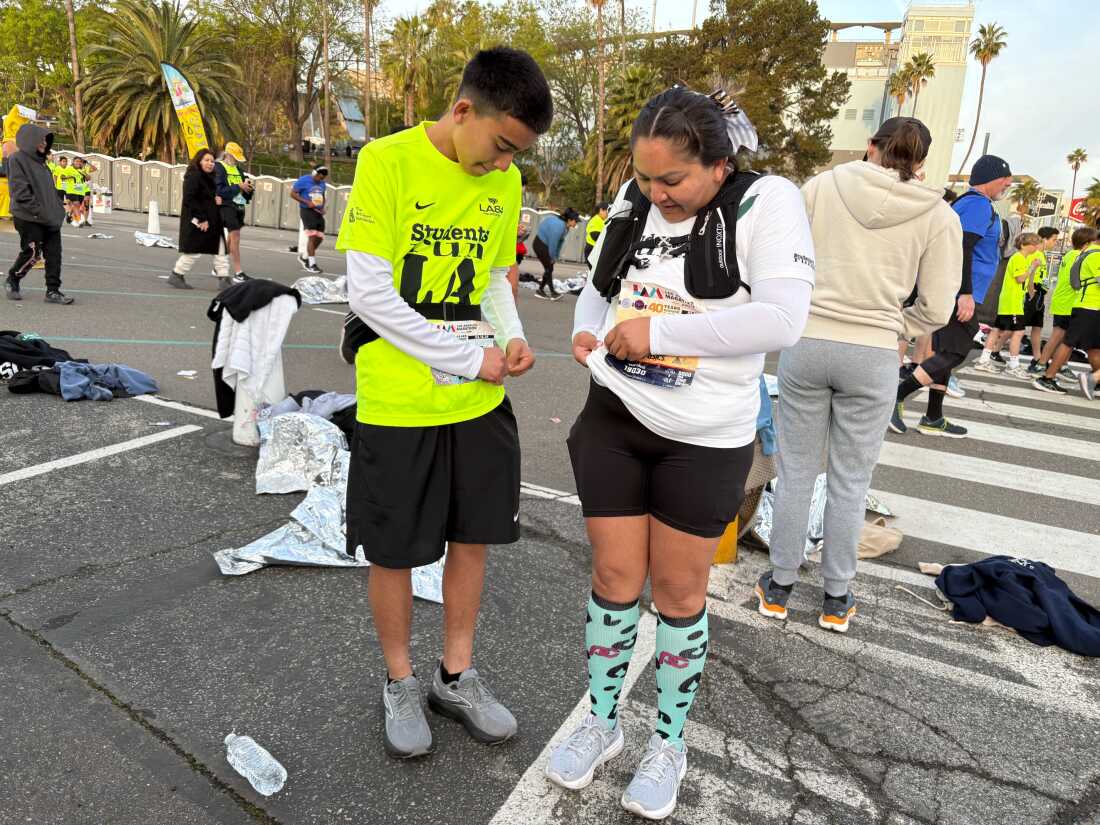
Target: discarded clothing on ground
102,382
43,379
248,342
1025,595
339,408
147,239
815,530
25,351
573,286
297,451
316,289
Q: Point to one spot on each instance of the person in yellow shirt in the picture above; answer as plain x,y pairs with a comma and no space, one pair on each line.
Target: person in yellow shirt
430,231
1084,324
1017,289
1061,305
594,228
1035,309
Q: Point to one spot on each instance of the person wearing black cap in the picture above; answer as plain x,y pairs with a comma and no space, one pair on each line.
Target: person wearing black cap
548,241
880,234
989,180
309,191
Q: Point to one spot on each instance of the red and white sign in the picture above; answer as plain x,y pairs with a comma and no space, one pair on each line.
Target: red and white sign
1077,210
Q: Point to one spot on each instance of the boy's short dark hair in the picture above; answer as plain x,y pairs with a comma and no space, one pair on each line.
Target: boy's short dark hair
1083,237
509,81
1045,232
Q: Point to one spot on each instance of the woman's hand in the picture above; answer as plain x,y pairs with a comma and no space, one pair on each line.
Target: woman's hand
629,340
583,345
203,226
218,200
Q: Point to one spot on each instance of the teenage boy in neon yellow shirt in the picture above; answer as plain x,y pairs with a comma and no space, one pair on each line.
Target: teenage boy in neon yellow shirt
429,232
1061,304
1084,325
1018,287
1035,309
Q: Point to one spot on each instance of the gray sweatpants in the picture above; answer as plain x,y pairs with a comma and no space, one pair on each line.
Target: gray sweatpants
835,401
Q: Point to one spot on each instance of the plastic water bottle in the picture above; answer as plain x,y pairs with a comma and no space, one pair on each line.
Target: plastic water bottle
254,763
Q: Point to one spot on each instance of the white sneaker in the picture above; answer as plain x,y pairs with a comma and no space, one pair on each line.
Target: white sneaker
1019,371
653,790
573,762
953,388
987,366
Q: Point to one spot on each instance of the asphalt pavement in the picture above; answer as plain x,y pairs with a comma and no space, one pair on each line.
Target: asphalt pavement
126,658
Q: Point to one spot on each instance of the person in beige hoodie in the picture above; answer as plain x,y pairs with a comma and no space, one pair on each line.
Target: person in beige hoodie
878,232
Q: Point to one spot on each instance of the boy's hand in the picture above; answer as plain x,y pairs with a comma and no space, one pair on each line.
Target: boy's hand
494,366
519,356
583,345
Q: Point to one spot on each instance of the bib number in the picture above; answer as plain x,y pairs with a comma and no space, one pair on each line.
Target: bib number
641,300
480,333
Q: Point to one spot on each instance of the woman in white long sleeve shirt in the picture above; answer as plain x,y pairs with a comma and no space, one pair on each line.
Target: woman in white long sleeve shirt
664,443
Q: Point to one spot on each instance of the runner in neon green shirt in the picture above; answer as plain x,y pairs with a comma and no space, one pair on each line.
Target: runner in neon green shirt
1017,287
1035,308
1061,302
429,233
1083,327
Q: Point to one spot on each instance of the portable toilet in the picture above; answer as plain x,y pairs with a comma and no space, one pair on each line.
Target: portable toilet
288,216
267,201
101,178
572,248
339,197
126,176
175,191
156,185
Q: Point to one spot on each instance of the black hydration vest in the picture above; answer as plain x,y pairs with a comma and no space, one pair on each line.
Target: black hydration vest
1075,279
710,268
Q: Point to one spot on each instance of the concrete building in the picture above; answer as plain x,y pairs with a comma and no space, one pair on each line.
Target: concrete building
942,31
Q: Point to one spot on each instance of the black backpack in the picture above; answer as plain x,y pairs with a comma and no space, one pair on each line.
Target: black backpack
1075,272
710,268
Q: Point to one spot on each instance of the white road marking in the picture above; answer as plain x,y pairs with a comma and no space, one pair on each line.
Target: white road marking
95,455
176,405
1016,412
996,473
1024,390
330,311
1026,439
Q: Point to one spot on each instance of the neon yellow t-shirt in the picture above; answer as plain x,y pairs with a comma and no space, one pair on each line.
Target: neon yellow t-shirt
1061,300
69,178
594,228
443,230
1089,297
1040,277
1012,292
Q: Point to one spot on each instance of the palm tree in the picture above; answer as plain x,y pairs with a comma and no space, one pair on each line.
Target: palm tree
129,105
1026,194
1076,159
920,68
899,87
628,94
986,46
405,61
77,109
1092,203
601,96
368,22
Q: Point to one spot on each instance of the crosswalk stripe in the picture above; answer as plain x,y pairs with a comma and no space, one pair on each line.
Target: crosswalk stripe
1018,412
1023,390
1041,442
992,534
984,471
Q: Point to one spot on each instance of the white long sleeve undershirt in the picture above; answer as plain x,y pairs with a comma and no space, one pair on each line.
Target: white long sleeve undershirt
772,320
372,296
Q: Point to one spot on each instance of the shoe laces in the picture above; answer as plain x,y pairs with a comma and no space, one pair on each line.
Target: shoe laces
476,691
401,702
584,737
657,763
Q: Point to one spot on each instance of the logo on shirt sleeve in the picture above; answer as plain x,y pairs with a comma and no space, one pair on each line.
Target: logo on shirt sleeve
802,259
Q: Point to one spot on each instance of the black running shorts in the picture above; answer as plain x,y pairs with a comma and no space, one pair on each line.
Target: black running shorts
410,489
1060,321
1010,323
624,469
232,216
1035,309
1084,329
957,337
312,220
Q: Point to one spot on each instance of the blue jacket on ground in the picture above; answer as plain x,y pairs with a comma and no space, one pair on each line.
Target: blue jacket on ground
102,382
552,230
1025,595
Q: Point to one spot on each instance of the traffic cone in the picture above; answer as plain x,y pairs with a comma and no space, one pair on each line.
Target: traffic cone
154,219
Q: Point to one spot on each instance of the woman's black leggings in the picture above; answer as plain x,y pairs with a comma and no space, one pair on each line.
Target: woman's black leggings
542,252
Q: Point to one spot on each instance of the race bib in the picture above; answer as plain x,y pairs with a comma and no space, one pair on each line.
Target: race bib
318,198
641,300
480,333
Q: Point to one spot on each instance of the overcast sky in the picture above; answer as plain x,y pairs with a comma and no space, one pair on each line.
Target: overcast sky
1031,88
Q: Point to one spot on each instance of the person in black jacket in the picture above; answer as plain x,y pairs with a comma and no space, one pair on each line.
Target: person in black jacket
36,212
200,222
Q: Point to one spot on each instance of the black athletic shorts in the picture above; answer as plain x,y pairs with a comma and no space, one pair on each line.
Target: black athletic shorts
1010,323
312,220
1035,309
1060,321
957,337
232,216
72,198
1084,329
624,469
410,489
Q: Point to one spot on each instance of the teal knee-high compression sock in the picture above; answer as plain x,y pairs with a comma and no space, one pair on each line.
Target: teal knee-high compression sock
609,636
681,655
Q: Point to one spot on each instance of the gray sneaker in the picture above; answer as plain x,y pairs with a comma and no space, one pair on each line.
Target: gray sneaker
470,702
573,762
1088,385
407,732
652,791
